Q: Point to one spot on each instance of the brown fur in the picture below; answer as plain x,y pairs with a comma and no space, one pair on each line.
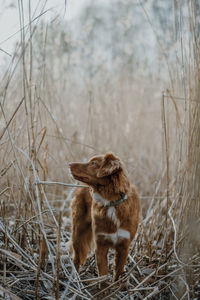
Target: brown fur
91,221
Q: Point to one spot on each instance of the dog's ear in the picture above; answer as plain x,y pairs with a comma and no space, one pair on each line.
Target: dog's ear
110,165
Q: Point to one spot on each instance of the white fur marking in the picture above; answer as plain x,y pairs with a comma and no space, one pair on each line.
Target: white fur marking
116,237
100,200
111,213
125,234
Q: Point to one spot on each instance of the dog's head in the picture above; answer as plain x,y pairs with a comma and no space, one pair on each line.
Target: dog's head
97,170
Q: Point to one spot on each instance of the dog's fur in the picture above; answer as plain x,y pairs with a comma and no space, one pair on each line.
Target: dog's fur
93,221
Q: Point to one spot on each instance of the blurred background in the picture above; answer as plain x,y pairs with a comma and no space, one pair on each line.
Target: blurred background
95,72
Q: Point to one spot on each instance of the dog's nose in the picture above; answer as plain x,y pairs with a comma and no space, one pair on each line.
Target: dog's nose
70,164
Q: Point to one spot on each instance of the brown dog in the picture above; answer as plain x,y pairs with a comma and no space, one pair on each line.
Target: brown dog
107,214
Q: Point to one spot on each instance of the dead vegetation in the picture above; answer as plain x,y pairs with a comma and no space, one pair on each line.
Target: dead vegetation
156,134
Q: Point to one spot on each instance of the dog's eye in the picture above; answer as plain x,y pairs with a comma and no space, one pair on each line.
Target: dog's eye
93,163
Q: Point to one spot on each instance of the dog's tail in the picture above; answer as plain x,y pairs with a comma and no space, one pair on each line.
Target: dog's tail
82,235
81,245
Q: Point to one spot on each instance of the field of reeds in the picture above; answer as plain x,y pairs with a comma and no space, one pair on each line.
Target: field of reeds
50,116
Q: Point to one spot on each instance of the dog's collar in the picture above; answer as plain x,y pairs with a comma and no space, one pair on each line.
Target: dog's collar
122,198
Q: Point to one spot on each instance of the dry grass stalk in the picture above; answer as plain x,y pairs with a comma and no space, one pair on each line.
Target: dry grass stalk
57,287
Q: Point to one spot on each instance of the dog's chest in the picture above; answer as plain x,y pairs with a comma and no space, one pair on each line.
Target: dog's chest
107,225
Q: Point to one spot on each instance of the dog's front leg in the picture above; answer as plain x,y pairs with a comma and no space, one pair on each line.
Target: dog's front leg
120,260
101,252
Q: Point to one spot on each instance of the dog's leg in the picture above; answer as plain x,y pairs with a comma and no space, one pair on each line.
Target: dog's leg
101,259
101,253
120,260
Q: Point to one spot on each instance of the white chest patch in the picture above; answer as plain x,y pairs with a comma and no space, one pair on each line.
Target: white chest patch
116,237
120,233
100,200
111,213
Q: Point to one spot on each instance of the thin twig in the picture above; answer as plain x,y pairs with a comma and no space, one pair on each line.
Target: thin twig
8,123
59,183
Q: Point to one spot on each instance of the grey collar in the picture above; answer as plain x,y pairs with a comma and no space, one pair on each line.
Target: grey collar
122,198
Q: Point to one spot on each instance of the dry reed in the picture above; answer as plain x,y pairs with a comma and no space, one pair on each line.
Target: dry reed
35,189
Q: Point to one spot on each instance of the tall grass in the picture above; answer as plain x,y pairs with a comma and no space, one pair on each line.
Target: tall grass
44,125
189,225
